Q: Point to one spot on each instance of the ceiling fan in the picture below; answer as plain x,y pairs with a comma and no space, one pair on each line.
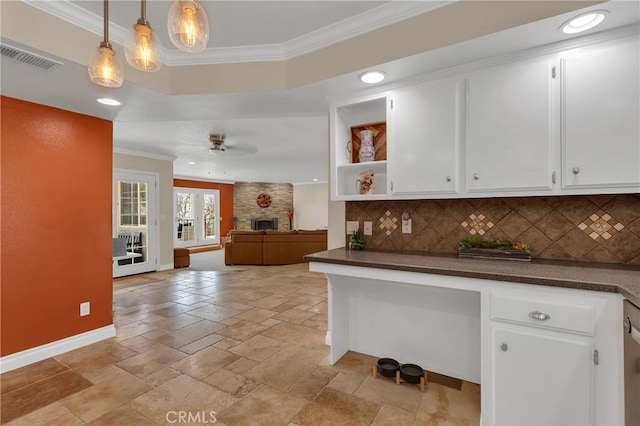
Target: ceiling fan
219,145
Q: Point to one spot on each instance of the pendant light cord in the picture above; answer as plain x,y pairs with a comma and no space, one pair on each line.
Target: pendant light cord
106,21
143,13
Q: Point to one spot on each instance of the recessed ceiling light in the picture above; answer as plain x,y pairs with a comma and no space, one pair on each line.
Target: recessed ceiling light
191,162
108,101
583,22
372,77
315,180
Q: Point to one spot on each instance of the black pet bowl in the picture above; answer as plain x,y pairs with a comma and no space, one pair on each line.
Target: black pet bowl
387,367
411,373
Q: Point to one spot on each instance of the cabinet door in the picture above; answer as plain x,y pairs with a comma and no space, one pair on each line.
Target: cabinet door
510,128
422,158
541,379
601,130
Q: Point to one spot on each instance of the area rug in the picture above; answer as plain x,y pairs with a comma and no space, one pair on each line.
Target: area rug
211,261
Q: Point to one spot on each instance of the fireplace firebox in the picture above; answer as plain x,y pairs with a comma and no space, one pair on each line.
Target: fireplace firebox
262,224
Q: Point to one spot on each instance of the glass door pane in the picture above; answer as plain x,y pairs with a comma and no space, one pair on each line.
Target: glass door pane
185,217
197,217
210,219
131,223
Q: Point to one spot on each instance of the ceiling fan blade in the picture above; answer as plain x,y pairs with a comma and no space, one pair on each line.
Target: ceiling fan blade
245,149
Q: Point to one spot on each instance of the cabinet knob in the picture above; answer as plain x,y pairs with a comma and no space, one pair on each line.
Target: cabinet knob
576,170
540,316
448,178
476,176
504,347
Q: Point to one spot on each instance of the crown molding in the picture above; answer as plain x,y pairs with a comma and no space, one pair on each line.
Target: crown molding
144,154
381,16
226,55
76,15
202,179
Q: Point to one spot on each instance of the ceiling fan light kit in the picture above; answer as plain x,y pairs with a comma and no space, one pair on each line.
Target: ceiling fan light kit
142,48
188,26
105,68
217,143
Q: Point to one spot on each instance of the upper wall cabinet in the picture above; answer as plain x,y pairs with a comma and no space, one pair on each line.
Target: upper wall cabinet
563,121
601,117
426,133
358,148
510,128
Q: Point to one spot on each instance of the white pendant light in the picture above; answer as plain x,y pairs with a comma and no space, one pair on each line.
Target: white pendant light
142,48
188,26
105,68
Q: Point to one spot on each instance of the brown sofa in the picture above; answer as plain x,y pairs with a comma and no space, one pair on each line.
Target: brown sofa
273,247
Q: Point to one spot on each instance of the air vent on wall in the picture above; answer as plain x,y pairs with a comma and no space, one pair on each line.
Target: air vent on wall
28,58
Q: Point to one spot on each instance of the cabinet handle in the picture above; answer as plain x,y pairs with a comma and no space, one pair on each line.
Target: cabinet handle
540,316
553,177
476,176
576,170
448,178
504,347
391,183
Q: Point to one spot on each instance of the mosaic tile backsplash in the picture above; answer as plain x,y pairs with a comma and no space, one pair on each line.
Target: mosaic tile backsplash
600,228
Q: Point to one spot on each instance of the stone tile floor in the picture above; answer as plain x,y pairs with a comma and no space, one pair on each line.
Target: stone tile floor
235,348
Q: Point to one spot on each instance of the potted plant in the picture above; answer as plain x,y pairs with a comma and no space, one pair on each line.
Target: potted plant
474,246
356,241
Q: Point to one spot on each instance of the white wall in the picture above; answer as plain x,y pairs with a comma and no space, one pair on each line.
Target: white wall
310,206
337,225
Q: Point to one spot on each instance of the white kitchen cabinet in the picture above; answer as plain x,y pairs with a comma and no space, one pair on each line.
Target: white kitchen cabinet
510,125
541,378
426,135
600,117
553,357
562,121
345,168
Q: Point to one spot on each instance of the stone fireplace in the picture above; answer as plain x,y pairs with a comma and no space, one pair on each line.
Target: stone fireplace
263,224
247,210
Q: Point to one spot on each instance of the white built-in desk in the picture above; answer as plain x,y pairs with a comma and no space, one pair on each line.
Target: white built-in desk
544,339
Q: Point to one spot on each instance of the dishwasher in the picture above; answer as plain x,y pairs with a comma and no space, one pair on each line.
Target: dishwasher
631,363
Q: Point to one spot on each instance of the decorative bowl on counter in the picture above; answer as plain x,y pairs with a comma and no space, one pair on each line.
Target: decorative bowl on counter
387,367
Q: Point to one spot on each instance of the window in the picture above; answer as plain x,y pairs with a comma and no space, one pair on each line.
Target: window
133,203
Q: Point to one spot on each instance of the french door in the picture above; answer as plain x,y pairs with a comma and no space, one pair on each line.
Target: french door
197,217
135,220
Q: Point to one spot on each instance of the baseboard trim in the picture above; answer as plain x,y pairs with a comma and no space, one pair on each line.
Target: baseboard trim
29,356
165,267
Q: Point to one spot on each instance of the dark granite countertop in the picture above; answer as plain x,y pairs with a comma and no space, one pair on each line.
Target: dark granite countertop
579,275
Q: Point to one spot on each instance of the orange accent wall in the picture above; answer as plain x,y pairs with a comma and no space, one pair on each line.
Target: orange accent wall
226,199
55,213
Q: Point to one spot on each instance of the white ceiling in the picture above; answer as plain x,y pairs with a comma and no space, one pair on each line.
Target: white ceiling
287,129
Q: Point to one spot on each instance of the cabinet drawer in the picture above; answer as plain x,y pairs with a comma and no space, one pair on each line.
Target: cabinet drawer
573,316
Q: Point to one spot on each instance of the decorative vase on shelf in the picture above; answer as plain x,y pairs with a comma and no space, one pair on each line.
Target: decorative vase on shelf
367,151
364,184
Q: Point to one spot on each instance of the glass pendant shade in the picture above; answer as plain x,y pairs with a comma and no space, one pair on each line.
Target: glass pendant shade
142,48
105,68
188,26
